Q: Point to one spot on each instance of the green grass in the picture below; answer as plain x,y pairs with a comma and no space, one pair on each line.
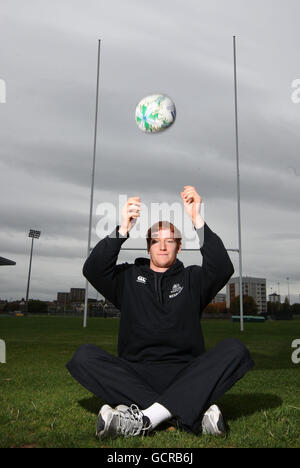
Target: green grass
41,405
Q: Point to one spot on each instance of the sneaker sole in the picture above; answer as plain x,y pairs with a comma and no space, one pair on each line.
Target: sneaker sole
212,426
106,427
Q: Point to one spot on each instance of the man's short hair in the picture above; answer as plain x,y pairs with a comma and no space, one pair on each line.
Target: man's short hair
163,225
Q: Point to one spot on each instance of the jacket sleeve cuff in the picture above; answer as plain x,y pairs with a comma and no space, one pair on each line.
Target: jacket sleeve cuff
200,233
116,234
203,233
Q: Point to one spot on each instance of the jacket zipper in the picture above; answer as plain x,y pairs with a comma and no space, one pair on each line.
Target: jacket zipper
157,284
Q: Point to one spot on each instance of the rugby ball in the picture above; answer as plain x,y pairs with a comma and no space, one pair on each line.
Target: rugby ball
155,113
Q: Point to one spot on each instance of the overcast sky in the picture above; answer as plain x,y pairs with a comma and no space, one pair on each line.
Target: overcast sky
48,62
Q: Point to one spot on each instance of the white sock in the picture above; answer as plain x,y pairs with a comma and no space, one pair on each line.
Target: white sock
157,413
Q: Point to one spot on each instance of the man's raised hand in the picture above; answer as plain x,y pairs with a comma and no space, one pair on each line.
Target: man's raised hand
192,204
130,213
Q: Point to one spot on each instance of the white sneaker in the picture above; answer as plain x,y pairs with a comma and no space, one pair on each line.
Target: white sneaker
122,408
213,422
123,420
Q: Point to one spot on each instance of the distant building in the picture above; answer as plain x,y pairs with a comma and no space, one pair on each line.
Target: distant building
219,298
77,295
274,298
251,286
63,297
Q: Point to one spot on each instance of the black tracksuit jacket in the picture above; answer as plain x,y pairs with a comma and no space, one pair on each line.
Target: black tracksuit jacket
160,312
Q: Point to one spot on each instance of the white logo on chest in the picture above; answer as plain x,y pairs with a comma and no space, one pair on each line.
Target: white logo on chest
176,289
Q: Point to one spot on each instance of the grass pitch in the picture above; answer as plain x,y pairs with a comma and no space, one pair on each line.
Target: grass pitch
41,405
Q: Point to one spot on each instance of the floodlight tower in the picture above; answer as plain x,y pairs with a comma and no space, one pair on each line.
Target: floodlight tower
289,297
34,235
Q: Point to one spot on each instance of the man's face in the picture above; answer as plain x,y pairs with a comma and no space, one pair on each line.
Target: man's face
163,250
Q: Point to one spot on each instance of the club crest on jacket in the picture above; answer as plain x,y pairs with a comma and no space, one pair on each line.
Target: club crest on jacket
176,289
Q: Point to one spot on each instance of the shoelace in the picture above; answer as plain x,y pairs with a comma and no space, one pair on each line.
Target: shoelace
131,421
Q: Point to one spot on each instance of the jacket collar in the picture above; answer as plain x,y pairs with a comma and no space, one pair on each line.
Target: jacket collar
143,264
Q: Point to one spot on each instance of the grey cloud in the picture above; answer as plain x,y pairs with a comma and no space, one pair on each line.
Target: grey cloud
49,64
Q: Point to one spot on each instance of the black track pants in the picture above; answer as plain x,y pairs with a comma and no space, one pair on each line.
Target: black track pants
185,389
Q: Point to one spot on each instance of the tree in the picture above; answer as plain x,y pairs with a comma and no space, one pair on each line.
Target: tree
11,306
296,309
249,306
286,304
37,307
217,307
273,308
285,307
283,312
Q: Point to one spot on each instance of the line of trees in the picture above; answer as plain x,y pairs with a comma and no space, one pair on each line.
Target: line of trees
95,308
275,310
34,307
